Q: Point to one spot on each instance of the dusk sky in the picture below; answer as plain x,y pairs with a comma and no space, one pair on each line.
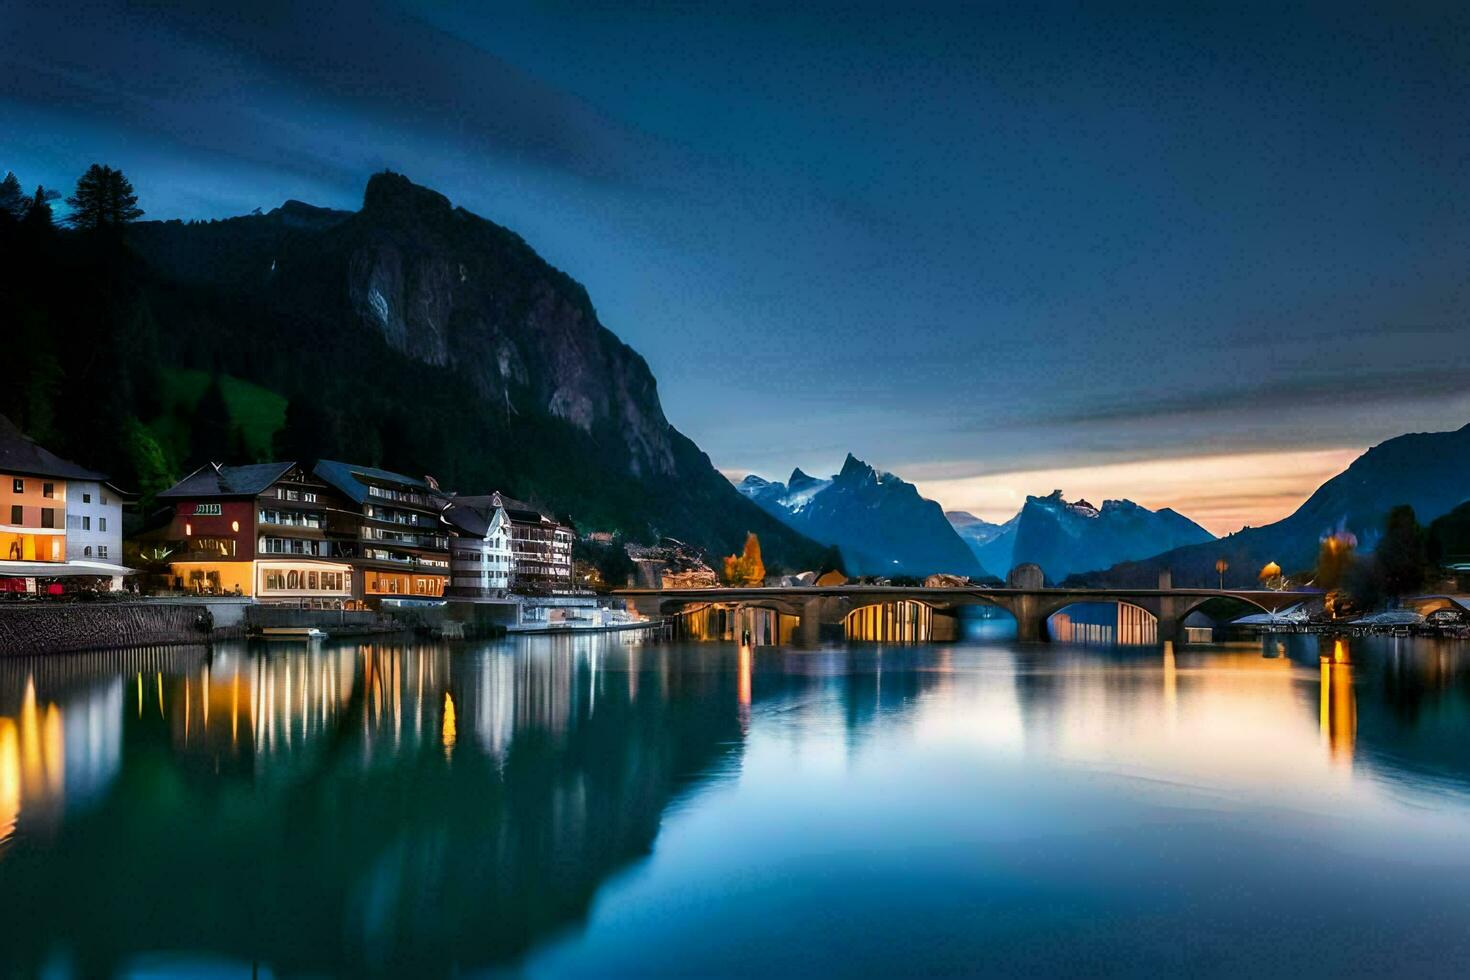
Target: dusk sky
1197,258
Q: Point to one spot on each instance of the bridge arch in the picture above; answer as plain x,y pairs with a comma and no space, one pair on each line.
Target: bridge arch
1106,621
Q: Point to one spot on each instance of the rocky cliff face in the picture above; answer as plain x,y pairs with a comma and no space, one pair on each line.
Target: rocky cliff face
879,522
448,288
416,335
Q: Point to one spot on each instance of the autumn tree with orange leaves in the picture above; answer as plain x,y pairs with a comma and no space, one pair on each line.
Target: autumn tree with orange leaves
746,568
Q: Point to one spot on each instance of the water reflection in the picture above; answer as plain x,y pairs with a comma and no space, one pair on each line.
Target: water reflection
421,808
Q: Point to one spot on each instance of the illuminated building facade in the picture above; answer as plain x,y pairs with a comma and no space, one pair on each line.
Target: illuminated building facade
540,545
390,530
257,530
58,521
480,557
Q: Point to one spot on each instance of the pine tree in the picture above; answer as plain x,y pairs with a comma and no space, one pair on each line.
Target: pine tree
104,199
38,209
12,198
1401,557
211,432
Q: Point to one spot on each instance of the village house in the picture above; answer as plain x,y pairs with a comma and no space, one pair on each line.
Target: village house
60,523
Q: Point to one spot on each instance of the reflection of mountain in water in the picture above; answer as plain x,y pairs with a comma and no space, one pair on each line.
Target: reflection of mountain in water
381,808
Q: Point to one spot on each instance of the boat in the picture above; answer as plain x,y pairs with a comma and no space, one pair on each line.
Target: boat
293,633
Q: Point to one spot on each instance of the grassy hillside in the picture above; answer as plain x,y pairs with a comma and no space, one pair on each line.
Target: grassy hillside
257,412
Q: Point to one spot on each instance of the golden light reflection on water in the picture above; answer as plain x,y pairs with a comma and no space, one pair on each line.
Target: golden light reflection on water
448,731
1337,714
32,759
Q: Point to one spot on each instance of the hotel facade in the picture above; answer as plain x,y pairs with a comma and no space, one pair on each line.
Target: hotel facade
390,527
257,530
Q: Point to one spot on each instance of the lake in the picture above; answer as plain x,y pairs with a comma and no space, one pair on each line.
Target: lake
605,805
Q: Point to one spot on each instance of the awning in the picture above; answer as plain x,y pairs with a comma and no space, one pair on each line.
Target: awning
57,569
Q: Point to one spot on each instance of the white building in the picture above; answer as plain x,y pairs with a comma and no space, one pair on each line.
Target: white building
93,522
480,555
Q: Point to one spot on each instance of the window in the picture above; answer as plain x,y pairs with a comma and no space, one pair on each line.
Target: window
86,523
48,490
102,551
48,516
87,551
86,498
19,486
101,523
104,500
17,515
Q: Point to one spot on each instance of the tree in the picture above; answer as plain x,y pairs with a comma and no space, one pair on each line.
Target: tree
37,214
211,432
747,567
1335,557
104,199
1270,575
1402,556
12,198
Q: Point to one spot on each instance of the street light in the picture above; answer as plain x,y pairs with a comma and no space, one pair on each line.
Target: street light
1220,566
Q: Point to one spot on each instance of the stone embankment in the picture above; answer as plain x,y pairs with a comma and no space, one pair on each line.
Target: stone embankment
32,628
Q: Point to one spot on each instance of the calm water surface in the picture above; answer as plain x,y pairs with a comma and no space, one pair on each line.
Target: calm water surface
601,806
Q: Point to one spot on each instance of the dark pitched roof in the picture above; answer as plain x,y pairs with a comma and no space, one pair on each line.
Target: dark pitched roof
343,476
211,480
469,516
19,455
516,510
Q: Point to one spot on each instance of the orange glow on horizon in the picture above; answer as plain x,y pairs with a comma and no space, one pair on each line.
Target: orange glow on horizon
1220,492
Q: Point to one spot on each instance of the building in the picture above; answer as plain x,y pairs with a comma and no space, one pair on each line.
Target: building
480,555
540,545
390,530
257,530
93,521
59,522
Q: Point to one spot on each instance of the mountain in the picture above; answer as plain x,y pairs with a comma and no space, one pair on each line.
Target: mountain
1429,471
409,334
879,522
992,544
1065,537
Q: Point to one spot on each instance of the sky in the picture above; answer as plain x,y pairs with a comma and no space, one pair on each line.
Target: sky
1196,256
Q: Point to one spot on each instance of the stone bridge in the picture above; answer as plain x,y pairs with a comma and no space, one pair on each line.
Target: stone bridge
816,606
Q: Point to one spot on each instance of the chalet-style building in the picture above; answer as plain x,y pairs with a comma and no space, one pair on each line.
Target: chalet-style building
256,530
391,531
480,555
58,520
540,546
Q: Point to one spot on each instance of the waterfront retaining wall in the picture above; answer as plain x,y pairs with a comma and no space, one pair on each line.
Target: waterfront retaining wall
30,628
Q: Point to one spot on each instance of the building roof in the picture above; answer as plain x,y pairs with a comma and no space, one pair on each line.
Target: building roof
474,512
19,455
344,476
214,480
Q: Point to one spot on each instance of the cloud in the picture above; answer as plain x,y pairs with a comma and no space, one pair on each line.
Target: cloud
325,88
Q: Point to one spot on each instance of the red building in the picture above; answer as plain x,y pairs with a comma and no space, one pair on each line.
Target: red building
257,530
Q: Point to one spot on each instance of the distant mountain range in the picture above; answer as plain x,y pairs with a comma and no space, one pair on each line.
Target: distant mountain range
1429,471
1065,537
879,522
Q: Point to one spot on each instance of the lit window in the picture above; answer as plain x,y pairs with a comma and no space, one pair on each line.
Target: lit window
19,486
